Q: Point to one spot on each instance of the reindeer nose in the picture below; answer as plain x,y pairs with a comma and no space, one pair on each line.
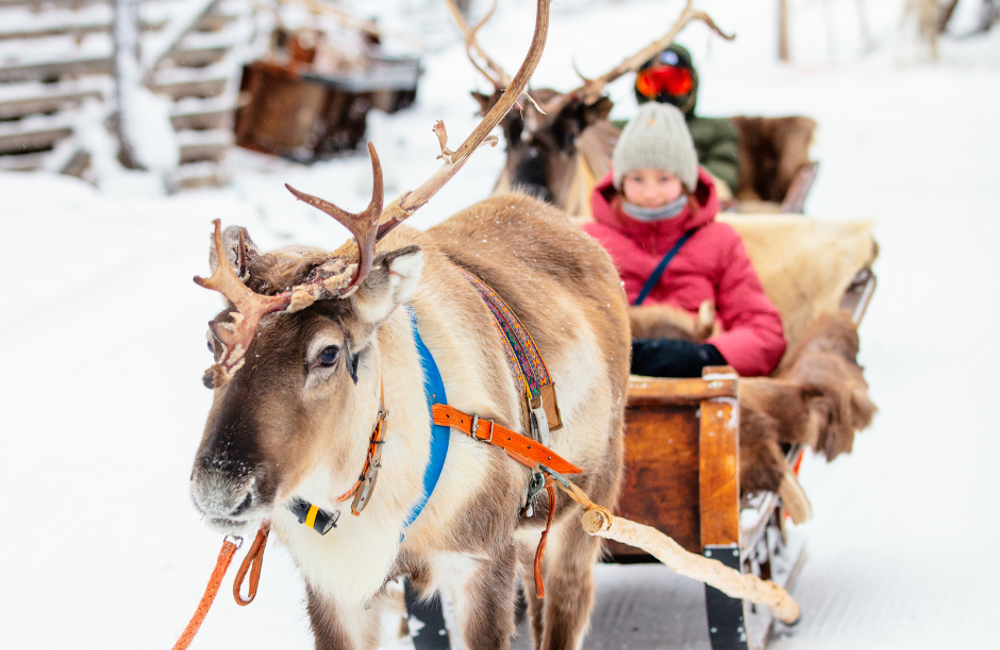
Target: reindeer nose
221,495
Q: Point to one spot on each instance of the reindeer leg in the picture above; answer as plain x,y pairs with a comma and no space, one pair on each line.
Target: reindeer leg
337,627
485,602
568,571
535,605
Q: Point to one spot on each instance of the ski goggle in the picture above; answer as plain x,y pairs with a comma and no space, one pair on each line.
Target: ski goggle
666,79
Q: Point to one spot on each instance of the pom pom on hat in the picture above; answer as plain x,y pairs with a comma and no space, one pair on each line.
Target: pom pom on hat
657,137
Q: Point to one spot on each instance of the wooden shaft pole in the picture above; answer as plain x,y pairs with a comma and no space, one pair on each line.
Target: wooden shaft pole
712,572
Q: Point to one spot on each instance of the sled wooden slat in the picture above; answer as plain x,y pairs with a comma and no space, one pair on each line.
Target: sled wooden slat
654,391
718,471
661,478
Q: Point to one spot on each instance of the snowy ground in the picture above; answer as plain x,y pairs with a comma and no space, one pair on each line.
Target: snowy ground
102,346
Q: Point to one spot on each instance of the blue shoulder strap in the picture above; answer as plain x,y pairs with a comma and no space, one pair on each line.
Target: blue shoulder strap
440,435
653,279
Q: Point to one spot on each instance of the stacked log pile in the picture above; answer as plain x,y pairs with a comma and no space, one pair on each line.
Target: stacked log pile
56,80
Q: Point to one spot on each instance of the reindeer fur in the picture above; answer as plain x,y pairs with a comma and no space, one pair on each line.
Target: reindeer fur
804,265
669,322
284,428
772,151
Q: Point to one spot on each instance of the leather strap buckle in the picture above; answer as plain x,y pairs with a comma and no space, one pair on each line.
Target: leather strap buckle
539,425
367,481
475,428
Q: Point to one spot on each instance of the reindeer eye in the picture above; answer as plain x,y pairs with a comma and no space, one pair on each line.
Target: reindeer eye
211,348
327,357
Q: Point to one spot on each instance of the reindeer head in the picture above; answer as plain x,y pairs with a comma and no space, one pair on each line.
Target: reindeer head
297,363
541,139
307,389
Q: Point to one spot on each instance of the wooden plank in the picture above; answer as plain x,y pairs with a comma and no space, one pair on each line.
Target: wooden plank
653,391
202,88
33,140
75,29
199,57
211,118
48,103
660,486
719,472
55,69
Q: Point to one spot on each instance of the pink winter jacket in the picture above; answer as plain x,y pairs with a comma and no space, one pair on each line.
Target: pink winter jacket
712,265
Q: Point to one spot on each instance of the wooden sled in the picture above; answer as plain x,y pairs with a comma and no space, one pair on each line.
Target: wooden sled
682,435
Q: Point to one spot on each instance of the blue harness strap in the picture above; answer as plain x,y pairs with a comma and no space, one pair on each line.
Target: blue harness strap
654,278
440,435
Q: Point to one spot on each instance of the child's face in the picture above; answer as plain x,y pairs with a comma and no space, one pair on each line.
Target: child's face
651,188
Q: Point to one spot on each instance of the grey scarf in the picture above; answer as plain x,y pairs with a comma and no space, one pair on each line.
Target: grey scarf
668,211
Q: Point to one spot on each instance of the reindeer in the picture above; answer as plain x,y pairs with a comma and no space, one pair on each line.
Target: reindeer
559,144
318,376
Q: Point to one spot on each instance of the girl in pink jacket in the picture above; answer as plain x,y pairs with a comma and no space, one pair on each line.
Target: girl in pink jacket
658,206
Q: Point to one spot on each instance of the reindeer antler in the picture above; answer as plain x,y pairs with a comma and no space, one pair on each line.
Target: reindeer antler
501,80
250,308
409,202
338,277
363,225
591,89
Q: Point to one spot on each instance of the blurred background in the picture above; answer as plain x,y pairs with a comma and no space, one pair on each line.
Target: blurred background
126,127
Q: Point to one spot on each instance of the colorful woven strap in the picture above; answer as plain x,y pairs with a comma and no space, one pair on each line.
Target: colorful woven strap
525,362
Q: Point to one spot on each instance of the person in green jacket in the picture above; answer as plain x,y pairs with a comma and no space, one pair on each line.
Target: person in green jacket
670,78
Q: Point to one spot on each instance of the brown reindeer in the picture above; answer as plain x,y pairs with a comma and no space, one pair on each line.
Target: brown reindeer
559,144
315,348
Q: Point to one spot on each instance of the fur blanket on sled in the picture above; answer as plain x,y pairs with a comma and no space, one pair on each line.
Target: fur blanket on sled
820,399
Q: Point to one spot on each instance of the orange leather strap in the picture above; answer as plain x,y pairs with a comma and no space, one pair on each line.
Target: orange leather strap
521,448
221,565
540,551
362,488
253,562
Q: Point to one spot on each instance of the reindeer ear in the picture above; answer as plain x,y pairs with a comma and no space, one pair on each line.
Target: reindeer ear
392,280
486,102
240,251
597,111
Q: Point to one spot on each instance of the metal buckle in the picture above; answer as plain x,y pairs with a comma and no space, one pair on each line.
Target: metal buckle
539,425
475,428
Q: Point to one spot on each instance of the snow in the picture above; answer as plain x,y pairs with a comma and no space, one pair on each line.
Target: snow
156,145
102,339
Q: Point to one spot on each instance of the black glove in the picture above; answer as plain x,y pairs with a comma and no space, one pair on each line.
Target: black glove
673,357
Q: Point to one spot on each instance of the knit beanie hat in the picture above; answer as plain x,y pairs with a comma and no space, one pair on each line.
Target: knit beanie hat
657,137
